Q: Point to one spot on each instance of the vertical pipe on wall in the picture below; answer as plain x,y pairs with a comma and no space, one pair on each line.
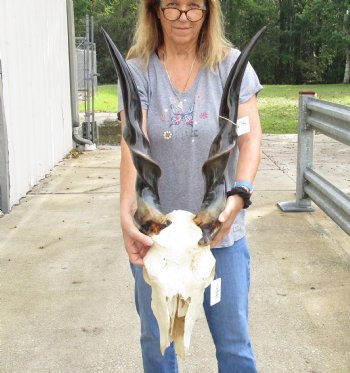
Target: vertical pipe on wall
4,159
92,76
87,77
73,75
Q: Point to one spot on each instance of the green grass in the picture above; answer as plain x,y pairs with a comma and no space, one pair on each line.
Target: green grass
106,99
278,104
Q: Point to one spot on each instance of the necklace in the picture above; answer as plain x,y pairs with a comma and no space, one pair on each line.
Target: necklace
180,102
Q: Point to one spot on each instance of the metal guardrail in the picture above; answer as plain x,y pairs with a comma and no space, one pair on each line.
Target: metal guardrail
331,120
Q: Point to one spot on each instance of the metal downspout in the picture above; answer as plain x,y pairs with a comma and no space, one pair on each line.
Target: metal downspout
5,204
73,76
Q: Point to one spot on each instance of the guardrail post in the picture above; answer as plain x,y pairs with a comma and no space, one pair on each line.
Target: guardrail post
305,158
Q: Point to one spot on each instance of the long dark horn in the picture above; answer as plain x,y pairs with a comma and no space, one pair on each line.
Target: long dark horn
213,169
148,216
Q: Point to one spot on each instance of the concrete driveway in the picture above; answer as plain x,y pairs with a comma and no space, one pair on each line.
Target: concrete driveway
67,291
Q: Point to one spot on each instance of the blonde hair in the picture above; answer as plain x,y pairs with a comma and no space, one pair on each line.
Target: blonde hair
212,43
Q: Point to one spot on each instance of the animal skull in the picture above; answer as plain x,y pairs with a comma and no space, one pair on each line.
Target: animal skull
179,265
178,270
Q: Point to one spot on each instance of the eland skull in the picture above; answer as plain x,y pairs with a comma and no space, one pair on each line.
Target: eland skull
179,265
178,270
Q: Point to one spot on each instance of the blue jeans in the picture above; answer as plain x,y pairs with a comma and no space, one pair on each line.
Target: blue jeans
227,320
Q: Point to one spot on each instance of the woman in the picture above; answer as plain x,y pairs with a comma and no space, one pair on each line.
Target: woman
180,61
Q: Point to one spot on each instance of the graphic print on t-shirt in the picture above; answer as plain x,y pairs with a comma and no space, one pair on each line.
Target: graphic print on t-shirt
181,115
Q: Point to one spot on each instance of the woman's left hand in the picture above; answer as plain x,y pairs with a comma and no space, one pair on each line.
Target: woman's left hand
233,205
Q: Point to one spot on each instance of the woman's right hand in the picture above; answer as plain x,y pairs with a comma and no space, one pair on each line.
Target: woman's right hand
136,243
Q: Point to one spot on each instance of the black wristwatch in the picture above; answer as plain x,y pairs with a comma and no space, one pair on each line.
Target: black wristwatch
243,193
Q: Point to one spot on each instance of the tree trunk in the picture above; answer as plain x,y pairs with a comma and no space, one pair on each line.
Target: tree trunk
347,63
347,69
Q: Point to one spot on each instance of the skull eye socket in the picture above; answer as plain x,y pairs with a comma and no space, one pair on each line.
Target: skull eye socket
209,231
152,227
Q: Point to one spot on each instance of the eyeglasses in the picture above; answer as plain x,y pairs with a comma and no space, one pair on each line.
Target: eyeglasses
193,15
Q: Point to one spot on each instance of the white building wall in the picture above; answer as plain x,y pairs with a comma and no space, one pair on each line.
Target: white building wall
36,89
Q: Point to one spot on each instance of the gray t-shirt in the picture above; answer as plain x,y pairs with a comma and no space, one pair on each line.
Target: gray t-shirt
181,128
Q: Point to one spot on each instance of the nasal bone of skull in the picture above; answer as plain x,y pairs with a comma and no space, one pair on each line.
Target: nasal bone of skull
178,270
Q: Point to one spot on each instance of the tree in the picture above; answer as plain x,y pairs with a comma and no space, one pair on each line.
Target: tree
242,20
347,33
322,40
81,8
306,40
118,18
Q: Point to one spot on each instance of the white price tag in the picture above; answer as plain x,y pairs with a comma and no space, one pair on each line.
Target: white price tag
215,292
243,126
